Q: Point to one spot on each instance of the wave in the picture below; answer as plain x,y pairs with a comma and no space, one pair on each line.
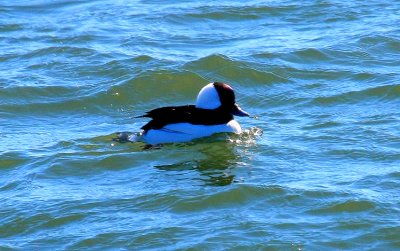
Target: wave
237,12
42,6
238,195
350,206
380,42
223,68
385,93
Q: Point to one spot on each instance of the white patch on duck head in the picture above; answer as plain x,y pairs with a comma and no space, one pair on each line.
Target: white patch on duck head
208,98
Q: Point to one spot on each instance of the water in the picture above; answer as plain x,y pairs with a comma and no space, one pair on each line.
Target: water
318,169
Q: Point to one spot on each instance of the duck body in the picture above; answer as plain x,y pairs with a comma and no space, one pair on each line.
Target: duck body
213,113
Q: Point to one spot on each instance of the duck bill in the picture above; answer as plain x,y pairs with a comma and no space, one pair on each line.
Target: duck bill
239,112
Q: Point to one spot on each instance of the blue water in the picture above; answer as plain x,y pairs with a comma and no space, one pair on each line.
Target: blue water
319,169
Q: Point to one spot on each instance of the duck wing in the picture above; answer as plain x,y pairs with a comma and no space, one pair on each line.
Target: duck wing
167,115
163,116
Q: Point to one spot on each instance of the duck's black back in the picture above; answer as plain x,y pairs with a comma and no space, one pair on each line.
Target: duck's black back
185,114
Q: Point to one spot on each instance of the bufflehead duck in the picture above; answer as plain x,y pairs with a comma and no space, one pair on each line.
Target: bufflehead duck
213,113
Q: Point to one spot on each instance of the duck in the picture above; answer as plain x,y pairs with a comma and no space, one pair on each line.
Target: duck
212,113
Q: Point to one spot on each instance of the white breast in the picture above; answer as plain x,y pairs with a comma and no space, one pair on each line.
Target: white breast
182,132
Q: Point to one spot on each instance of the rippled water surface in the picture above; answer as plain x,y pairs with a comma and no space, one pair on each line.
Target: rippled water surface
318,170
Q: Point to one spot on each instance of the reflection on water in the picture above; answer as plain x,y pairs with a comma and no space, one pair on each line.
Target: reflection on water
218,164
215,162
216,157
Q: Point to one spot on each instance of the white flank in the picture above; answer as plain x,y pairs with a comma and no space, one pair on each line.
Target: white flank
182,132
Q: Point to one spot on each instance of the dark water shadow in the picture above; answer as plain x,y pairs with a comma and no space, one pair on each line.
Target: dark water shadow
213,160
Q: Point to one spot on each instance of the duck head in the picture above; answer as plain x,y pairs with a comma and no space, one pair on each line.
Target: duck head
219,96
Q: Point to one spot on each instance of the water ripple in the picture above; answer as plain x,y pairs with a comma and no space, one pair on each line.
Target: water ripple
315,168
